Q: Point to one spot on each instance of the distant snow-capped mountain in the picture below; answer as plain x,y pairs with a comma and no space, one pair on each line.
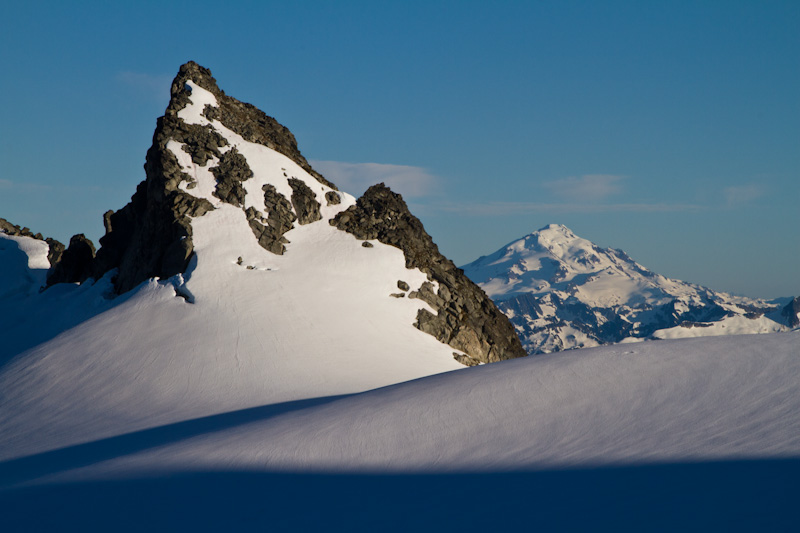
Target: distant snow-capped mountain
561,292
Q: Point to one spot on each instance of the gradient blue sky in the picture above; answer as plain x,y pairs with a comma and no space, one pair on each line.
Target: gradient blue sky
668,129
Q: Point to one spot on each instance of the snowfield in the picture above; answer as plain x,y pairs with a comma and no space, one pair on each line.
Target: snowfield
244,411
245,403
684,428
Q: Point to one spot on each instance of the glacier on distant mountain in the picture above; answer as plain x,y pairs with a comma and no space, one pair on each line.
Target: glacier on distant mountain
562,292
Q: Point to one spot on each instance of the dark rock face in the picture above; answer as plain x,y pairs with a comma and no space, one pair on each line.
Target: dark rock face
55,248
790,312
200,142
465,359
466,318
75,264
54,252
304,201
231,171
269,231
152,235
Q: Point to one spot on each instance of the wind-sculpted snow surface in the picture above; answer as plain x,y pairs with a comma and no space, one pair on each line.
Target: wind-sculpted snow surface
567,416
561,291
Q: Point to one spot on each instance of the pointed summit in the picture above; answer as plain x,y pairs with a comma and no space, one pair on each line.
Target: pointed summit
555,232
244,119
152,236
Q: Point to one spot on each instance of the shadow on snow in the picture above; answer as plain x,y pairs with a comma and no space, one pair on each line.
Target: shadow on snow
716,496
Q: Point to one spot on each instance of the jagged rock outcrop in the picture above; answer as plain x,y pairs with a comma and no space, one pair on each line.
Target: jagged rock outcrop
465,318
244,119
55,248
305,202
75,264
17,231
231,171
792,312
269,231
333,198
152,235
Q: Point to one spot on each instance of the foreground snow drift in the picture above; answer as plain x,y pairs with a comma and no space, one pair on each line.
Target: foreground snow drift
722,398
434,449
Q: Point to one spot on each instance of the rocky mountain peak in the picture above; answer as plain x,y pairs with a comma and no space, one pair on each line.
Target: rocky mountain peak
216,158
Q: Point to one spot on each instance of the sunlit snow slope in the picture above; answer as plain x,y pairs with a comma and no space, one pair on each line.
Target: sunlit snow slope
561,291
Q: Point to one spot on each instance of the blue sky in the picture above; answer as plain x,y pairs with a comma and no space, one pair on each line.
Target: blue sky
668,129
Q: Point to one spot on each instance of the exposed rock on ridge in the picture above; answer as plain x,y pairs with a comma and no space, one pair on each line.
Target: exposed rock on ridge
75,264
55,248
231,171
466,318
792,312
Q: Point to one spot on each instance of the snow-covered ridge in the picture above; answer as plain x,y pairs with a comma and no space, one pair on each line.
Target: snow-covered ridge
562,291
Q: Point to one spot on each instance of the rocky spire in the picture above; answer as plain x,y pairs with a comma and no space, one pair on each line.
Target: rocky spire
245,119
152,236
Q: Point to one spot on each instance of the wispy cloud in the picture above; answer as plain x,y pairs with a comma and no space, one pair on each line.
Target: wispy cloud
19,187
740,195
155,86
355,178
516,208
587,188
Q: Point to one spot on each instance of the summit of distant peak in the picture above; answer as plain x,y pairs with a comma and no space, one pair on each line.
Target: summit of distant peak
555,232
555,227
